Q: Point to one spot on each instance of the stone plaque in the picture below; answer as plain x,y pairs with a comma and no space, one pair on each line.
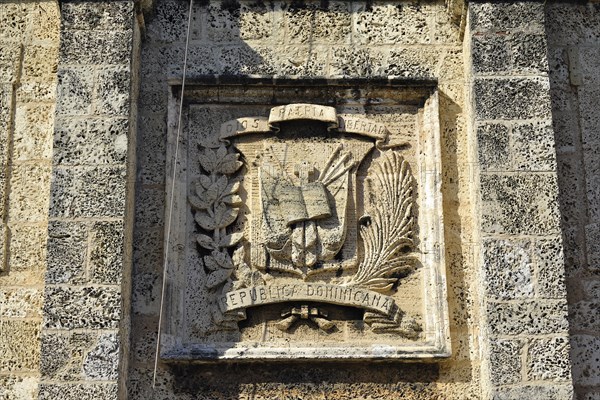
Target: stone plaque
306,231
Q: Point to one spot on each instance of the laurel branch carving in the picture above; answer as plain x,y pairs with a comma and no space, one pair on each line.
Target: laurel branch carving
216,205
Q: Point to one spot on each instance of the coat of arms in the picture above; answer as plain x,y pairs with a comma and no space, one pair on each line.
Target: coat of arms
305,207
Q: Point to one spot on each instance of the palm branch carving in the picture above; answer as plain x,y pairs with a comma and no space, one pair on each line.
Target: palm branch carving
387,235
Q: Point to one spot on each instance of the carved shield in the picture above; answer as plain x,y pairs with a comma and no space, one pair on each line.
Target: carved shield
301,202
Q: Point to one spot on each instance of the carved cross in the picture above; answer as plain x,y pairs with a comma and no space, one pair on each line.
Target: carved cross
304,234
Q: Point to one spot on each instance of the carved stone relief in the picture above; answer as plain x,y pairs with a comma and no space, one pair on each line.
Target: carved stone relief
305,232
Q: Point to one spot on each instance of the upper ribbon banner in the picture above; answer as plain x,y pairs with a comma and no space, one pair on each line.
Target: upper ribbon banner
295,112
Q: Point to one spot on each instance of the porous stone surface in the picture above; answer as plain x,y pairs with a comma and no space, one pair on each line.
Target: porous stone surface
508,269
520,203
303,41
68,350
67,252
548,359
101,362
505,361
81,391
81,307
574,58
550,392
16,387
80,356
84,311
519,121
17,355
28,61
525,308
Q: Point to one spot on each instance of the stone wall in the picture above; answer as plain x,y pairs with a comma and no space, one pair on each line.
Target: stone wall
574,56
304,40
28,59
85,332
80,285
526,342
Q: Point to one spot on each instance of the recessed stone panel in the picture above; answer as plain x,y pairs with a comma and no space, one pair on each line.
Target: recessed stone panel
306,229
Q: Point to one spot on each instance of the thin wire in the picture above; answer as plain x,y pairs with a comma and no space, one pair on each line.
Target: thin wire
166,263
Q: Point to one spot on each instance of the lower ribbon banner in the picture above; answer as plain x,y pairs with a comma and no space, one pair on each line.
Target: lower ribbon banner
315,292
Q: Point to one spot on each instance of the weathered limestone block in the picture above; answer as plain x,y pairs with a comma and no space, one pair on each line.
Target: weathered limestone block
20,302
313,24
490,54
81,356
67,252
37,65
511,98
90,141
106,253
549,392
508,268
32,137
502,17
28,248
102,360
310,61
533,147
583,316
18,387
523,53
3,243
112,89
408,63
548,359
592,235
350,61
14,20
403,25
168,23
95,47
10,57
494,152
258,60
550,282
529,53
505,361
586,366
88,192
532,317
516,147
74,92
146,293
152,215
82,307
82,391
520,203
29,184
114,15
147,253
19,355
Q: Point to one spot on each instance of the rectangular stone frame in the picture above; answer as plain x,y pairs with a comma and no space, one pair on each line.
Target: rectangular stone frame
174,348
